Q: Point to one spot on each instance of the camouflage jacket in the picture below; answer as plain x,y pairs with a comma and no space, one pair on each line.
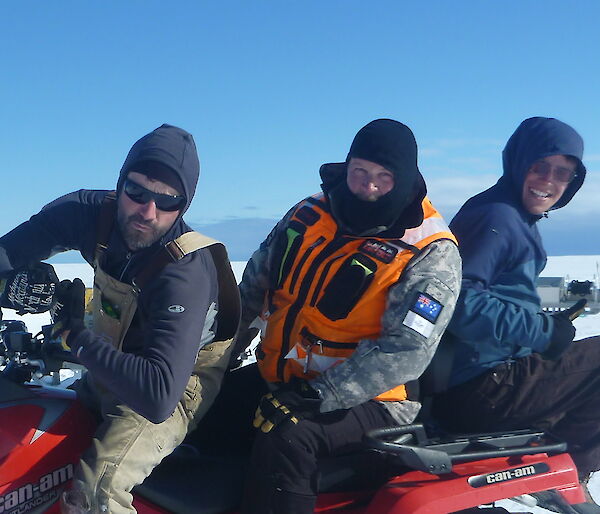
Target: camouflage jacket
400,354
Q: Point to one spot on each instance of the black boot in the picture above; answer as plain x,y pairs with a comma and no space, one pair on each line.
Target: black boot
551,500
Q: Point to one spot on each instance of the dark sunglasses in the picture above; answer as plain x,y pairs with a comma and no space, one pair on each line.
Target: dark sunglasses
545,169
141,195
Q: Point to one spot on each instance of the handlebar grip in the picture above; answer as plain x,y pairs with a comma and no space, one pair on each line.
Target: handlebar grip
55,350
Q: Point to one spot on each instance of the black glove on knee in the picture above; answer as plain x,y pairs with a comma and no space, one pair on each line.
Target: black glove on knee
292,402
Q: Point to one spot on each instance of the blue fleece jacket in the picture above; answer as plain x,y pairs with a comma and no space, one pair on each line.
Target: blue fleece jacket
160,347
498,316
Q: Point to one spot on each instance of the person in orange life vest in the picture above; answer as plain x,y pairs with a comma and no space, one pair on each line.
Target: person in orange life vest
351,291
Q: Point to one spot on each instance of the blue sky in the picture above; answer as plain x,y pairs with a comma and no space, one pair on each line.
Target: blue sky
272,89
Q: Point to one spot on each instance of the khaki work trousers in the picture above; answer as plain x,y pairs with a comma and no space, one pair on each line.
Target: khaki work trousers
127,447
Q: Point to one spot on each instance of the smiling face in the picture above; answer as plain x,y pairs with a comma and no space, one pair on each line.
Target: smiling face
545,183
368,180
143,224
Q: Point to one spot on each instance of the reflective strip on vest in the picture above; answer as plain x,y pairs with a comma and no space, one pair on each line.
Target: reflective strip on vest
428,228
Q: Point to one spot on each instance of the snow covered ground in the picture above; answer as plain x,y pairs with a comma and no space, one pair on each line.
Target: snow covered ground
579,267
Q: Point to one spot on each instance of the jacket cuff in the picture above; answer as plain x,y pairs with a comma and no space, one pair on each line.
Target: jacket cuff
329,400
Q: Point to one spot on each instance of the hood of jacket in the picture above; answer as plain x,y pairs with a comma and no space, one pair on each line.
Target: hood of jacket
534,139
170,147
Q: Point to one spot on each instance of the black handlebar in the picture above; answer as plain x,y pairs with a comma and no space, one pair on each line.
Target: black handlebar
25,354
55,351
53,348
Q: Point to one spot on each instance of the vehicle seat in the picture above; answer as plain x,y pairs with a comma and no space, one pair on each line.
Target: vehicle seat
187,482
436,377
205,475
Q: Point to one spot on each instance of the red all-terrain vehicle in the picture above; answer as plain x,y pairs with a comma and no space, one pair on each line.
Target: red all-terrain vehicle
44,429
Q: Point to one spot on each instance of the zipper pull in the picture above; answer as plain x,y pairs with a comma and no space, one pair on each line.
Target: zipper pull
127,262
308,358
309,352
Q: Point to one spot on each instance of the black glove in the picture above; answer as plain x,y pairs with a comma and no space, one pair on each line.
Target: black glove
29,290
563,333
563,330
69,311
292,402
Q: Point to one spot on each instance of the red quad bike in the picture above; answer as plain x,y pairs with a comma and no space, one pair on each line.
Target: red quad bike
44,429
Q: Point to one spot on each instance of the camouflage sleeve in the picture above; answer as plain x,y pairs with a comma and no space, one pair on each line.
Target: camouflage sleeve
406,344
255,282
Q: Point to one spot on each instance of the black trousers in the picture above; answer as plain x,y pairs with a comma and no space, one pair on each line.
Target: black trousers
284,471
227,429
562,397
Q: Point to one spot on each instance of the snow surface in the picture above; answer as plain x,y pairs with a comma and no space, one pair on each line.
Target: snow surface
574,267
577,267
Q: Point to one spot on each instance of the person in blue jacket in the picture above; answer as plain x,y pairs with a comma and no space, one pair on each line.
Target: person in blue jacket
516,366
161,338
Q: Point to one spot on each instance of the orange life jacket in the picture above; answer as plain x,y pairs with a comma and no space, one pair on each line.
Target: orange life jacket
329,291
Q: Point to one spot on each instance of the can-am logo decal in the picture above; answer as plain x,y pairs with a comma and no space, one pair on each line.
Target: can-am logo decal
176,308
508,474
31,496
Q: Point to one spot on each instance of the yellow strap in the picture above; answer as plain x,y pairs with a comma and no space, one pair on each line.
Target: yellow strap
190,242
229,296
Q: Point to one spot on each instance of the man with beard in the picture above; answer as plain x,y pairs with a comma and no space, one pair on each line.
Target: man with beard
352,291
165,308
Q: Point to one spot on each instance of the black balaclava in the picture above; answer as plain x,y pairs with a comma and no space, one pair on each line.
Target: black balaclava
391,145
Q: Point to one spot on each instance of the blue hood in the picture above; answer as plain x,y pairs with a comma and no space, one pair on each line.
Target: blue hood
534,139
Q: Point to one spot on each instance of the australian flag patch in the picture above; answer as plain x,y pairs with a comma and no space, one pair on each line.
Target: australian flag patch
423,314
427,307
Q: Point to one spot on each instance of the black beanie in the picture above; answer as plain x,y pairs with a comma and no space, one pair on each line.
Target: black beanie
158,171
392,145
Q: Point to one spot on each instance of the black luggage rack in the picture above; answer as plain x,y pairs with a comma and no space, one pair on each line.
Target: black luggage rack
414,449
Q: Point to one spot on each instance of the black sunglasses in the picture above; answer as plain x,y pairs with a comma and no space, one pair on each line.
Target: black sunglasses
139,194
